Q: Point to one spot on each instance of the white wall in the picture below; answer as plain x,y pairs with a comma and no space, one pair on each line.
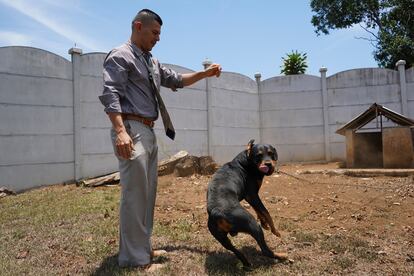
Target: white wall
36,122
351,92
40,120
409,75
292,117
234,115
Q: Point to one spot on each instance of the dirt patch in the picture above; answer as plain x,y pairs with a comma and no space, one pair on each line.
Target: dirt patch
329,223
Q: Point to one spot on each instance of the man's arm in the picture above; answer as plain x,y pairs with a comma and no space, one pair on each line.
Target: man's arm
190,78
124,144
115,76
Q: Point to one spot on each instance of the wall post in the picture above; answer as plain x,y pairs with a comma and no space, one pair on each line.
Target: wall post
76,53
206,63
325,111
257,76
403,87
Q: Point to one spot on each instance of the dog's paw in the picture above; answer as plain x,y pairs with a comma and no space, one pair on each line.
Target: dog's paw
265,226
276,233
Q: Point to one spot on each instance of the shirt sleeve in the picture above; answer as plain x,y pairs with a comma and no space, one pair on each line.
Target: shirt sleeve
170,78
115,77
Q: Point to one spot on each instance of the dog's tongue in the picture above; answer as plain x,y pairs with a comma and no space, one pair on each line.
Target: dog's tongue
264,168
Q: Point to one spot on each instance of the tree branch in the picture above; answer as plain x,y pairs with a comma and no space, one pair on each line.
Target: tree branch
369,31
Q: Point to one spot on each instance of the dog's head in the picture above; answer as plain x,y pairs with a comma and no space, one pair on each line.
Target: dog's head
263,156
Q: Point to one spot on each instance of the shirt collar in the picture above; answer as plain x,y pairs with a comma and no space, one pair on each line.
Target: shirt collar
137,50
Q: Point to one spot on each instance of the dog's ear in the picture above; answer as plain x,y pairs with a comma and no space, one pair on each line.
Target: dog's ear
250,146
274,151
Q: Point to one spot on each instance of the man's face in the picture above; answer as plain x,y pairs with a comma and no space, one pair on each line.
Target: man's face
149,34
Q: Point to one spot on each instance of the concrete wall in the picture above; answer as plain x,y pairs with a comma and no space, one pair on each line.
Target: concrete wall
292,117
234,115
36,118
96,154
351,92
188,110
410,91
53,128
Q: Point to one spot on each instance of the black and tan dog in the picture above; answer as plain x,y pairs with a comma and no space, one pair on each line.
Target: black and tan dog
237,180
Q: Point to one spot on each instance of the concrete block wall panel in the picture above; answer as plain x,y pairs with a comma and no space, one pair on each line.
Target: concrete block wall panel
338,151
364,95
99,164
92,64
288,153
23,177
27,90
28,149
231,141
188,111
292,116
362,77
234,115
36,121
36,115
292,83
192,141
409,75
28,61
234,82
340,115
241,119
296,135
97,157
351,92
289,100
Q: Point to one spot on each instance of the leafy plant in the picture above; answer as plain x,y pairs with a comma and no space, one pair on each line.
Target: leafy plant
294,63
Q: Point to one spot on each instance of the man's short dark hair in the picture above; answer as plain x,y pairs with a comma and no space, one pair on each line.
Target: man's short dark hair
146,16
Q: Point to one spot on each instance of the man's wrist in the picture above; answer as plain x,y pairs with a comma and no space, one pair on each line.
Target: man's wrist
204,74
120,130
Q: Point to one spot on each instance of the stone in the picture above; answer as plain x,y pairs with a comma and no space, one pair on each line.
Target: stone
167,166
207,165
187,166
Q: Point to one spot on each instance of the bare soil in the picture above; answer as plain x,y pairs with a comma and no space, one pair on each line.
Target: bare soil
329,224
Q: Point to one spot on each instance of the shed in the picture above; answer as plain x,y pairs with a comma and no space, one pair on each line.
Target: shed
379,138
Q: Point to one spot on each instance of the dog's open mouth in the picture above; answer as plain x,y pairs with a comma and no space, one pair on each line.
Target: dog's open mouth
264,168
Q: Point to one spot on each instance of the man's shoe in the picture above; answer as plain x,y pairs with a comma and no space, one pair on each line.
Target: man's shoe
158,253
153,267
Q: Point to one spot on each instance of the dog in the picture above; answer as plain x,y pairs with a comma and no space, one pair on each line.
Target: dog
237,180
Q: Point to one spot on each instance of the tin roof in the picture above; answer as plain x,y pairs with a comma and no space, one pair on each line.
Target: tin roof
371,113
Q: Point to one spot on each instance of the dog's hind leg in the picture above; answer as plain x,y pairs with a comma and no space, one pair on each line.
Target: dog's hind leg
257,233
248,224
221,236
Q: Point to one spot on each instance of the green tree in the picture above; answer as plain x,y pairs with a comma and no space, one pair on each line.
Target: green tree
388,23
294,63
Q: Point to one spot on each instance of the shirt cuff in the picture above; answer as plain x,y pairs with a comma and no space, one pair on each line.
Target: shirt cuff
111,102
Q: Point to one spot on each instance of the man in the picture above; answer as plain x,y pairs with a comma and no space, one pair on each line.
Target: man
132,79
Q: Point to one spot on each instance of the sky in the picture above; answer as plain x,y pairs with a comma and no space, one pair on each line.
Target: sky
243,36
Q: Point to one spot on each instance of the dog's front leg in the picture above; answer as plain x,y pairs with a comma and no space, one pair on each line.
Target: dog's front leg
261,211
262,219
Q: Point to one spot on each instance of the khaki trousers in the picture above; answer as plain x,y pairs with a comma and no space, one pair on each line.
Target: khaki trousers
138,177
